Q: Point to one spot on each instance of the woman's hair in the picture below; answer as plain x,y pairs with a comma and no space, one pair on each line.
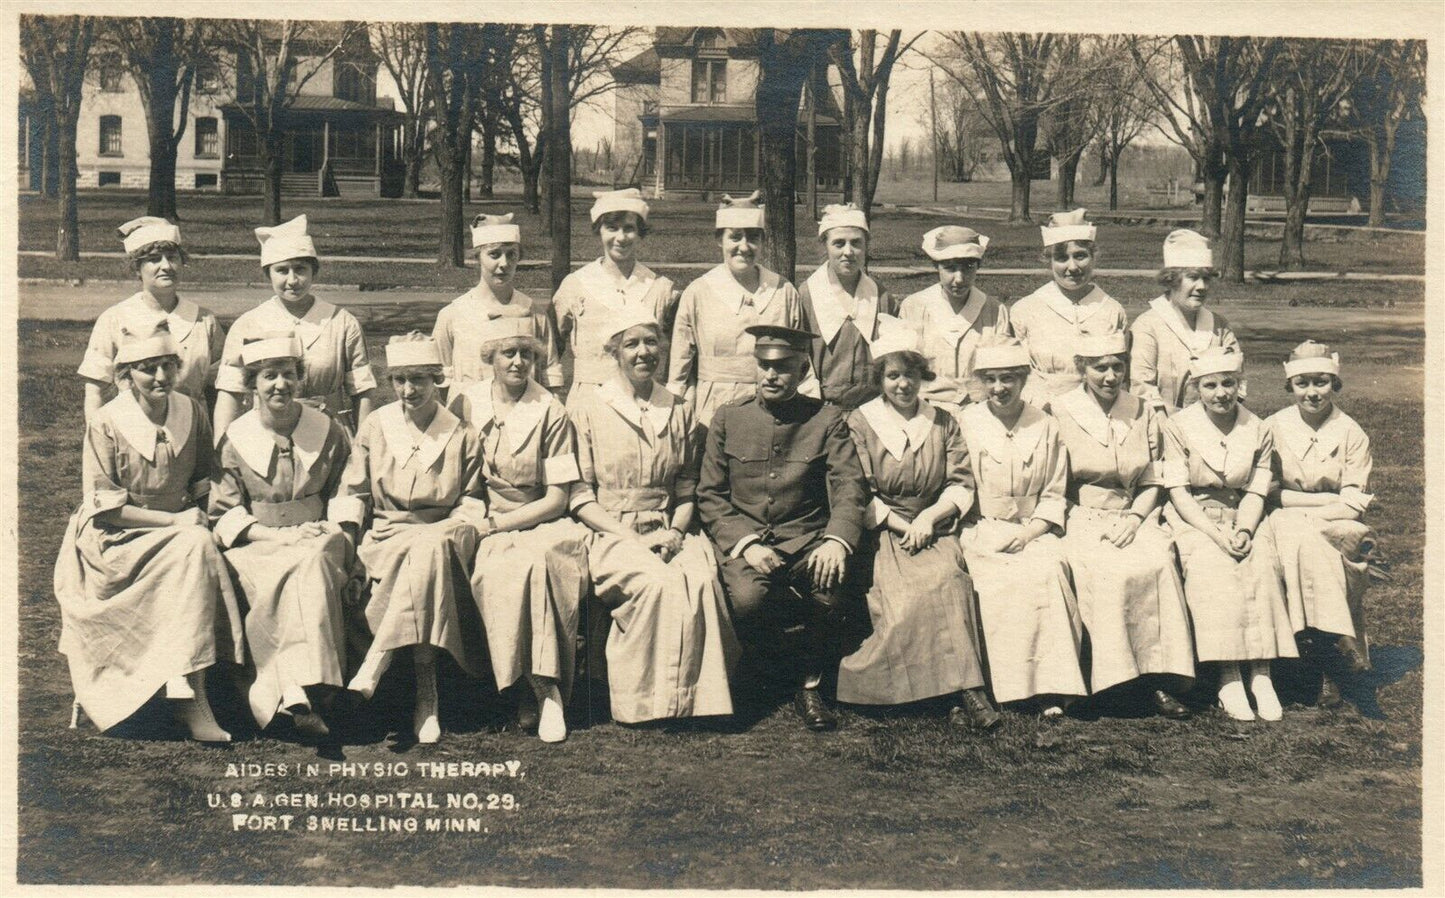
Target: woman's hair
314,262
1336,384
1049,252
1082,361
253,371
614,342
492,347
913,361
756,234
122,369
617,219
136,257
435,371
1022,370
478,250
1170,278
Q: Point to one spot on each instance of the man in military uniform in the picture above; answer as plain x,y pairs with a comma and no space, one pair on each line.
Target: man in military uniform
782,496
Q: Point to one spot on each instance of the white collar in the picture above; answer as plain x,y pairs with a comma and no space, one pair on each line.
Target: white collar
656,411
1209,442
519,419
895,432
1289,428
1195,339
257,446
308,327
484,303
827,294
601,285
1073,312
955,324
131,422
180,320
998,441
727,286
1108,428
417,450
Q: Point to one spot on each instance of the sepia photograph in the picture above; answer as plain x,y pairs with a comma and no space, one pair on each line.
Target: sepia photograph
611,448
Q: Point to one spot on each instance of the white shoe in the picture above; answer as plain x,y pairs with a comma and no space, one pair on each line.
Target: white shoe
177,688
1265,698
1232,697
551,721
196,714
426,721
370,673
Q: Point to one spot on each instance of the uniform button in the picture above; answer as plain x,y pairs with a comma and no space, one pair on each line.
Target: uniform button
773,475
777,420
777,447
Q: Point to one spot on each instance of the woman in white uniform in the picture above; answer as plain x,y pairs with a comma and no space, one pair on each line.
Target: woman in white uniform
1051,320
1218,466
712,354
1323,494
337,376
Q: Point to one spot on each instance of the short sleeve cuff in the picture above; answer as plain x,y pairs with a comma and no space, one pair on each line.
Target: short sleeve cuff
359,380
94,367
555,380
961,497
1152,475
580,494
470,509
101,501
742,545
231,378
231,525
560,469
875,514
1259,482
346,510
1051,510
1173,474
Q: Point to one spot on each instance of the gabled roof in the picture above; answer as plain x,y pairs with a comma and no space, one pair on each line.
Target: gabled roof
740,37
644,68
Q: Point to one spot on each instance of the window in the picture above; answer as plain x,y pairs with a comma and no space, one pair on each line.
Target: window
205,180
110,135
242,140
208,80
354,83
208,138
709,80
108,178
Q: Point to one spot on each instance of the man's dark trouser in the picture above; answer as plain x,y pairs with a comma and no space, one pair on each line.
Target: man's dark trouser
762,605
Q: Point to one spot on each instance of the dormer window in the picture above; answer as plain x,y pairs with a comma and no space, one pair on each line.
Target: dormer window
710,67
355,83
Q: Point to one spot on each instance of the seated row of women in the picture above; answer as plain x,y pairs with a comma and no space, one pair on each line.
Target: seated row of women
638,541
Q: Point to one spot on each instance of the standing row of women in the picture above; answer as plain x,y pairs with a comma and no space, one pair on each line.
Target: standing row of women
477,526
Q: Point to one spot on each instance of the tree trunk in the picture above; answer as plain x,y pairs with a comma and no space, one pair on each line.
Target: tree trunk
467,172
485,186
1105,169
1298,162
1379,179
1019,175
1232,234
1114,182
451,247
1068,174
848,152
875,166
50,157
271,148
862,164
413,170
161,197
67,234
559,181
1213,178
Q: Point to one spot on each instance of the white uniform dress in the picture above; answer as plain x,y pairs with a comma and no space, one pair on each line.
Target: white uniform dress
1031,628
671,646
528,584
1324,576
1237,607
1131,599
293,593
459,334
712,359
1165,345
197,334
950,339
1050,326
142,605
584,306
335,366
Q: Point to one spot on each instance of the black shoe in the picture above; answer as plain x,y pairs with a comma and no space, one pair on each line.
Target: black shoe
1329,693
1168,706
813,711
1349,649
975,712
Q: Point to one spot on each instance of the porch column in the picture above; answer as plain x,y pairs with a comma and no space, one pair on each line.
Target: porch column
378,151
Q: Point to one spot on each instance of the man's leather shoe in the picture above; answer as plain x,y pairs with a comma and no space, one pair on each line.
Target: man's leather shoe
1168,706
813,711
975,712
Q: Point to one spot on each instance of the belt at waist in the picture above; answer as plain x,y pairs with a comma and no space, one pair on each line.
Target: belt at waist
1007,507
1113,498
169,501
426,515
288,514
636,499
1217,497
508,498
727,369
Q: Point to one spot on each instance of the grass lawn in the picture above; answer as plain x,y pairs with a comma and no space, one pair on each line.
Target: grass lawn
893,799
683,232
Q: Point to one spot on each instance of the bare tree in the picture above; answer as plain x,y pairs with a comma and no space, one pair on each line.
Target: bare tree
1010,77
402,48
1213,97
1070,121
865,106
1123,110
55,50
1313,79
785,57
962,135
555,43
275,59
1388,94
455,62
